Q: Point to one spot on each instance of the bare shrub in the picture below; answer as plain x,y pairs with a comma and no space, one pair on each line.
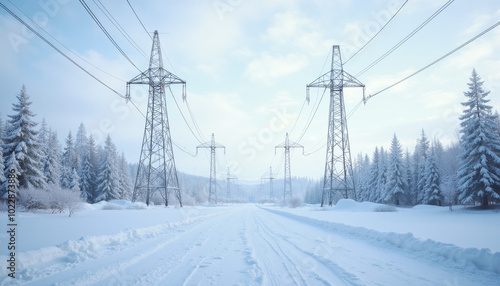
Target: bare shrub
56,199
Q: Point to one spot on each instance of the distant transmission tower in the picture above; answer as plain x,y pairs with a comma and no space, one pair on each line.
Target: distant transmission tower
287,192
228,189
270,178
338,167
212,189
156,171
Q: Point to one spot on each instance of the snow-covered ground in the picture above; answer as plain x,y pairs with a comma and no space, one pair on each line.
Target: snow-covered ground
121,243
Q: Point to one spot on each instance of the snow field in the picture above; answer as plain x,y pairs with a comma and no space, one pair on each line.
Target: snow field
482,259
118,243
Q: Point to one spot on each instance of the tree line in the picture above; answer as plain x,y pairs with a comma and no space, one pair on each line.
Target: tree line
40,163
466,172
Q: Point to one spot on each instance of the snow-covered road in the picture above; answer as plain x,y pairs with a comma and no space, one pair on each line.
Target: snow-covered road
243,245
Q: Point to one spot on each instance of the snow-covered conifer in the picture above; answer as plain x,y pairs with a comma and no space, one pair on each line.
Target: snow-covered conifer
381,191
21,139
108,178
69,164
126,186
2,168
480,162
13,169
408,177
81,141
87,180
420,156
432,189
374,176
52,161
395,184
75,183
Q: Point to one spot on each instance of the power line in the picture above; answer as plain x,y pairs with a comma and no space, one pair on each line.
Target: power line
436,61
377,32
87,8
310,121
119,27
183,117
406,38
139,19
196,126
80,57
298,116
66,56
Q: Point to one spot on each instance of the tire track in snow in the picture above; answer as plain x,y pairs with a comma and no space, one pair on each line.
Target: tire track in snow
310,266
374,256
220,257
81,256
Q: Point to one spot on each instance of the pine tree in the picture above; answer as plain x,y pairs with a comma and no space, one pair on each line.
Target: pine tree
81,142
88,172
43,138
126,186
69,164
408,178
21,139
52,161
13,169
420,156
86,180
362,173
382,177
373,178
480,162
395,185
75,183
108,187
2,168
432,189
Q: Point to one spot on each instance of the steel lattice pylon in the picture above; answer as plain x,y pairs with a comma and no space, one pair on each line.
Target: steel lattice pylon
156,171
338,166
228,187
287,192
212,189
270,178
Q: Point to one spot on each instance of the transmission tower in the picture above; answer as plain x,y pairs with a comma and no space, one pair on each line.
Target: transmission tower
270,178
156,171
212,189
338,166
288,177
228,189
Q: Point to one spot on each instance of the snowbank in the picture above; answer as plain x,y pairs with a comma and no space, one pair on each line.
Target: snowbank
89,246
482,259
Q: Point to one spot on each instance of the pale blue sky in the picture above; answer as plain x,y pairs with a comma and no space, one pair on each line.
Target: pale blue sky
246,64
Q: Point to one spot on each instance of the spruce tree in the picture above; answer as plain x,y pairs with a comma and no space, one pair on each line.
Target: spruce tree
420,157
480,162
382,177
395,185
432,189
87,180
408,178
373,177
52,161
126,186
13,169
108,184
2,168
69,164
21,139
